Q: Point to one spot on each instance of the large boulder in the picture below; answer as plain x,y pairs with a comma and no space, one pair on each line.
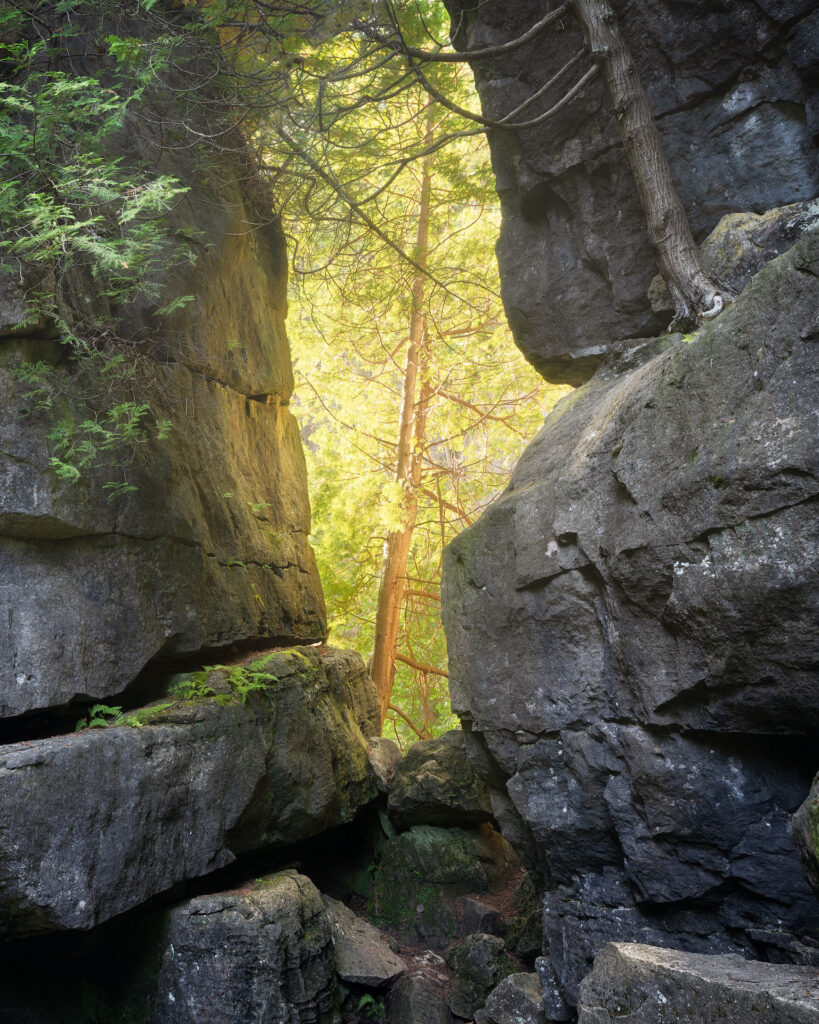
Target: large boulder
434,784
733,91
806,835
95,823
645,984
632,638
263,953
211,548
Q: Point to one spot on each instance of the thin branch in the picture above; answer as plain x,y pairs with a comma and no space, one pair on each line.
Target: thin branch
408,720
421,666
487,51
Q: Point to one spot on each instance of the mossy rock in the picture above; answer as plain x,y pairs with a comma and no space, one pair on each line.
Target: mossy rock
479,964
806,835
422,872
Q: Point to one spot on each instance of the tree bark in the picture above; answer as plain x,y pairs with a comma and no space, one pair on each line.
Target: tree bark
412,425
695,291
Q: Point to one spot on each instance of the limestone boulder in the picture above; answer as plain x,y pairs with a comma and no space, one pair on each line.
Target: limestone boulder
260,953
434,784
95,823
734,95
632,639
210,549
646,984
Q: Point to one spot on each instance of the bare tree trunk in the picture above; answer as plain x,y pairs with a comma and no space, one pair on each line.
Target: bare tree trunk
411,430
695,291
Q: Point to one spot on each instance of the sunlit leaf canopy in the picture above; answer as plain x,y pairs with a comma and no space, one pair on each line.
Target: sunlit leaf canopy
343,122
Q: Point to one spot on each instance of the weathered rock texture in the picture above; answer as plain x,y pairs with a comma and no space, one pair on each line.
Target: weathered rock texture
436,785
644,984
95,823
633,641
259,955
212,548
732,85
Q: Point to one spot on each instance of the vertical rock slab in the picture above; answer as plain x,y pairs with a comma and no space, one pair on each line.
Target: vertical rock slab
633,642
211,548
806,835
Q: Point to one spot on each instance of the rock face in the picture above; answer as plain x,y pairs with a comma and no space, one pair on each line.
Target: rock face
253,956
806,835
645,984
632,639
211,549
434,784
95,823
733,89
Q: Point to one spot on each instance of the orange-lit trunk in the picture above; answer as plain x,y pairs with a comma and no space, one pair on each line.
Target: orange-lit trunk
411,430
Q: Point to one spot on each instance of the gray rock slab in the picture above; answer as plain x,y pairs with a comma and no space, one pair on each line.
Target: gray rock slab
434,784
646,984
361,954
261,953
95,823
211,549
516,1000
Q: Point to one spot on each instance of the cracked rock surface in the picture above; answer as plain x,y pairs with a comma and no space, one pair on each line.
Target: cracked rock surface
633,642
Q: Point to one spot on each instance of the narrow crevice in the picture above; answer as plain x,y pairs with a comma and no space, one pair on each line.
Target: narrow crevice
150,685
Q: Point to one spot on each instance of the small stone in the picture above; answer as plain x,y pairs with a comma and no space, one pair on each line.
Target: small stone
383,755
479,963
362,955
418,999
480,917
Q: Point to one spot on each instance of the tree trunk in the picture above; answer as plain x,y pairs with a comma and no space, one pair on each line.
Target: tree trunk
695,291
411,429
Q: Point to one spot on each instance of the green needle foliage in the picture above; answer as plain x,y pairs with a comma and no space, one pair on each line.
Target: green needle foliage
83,230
